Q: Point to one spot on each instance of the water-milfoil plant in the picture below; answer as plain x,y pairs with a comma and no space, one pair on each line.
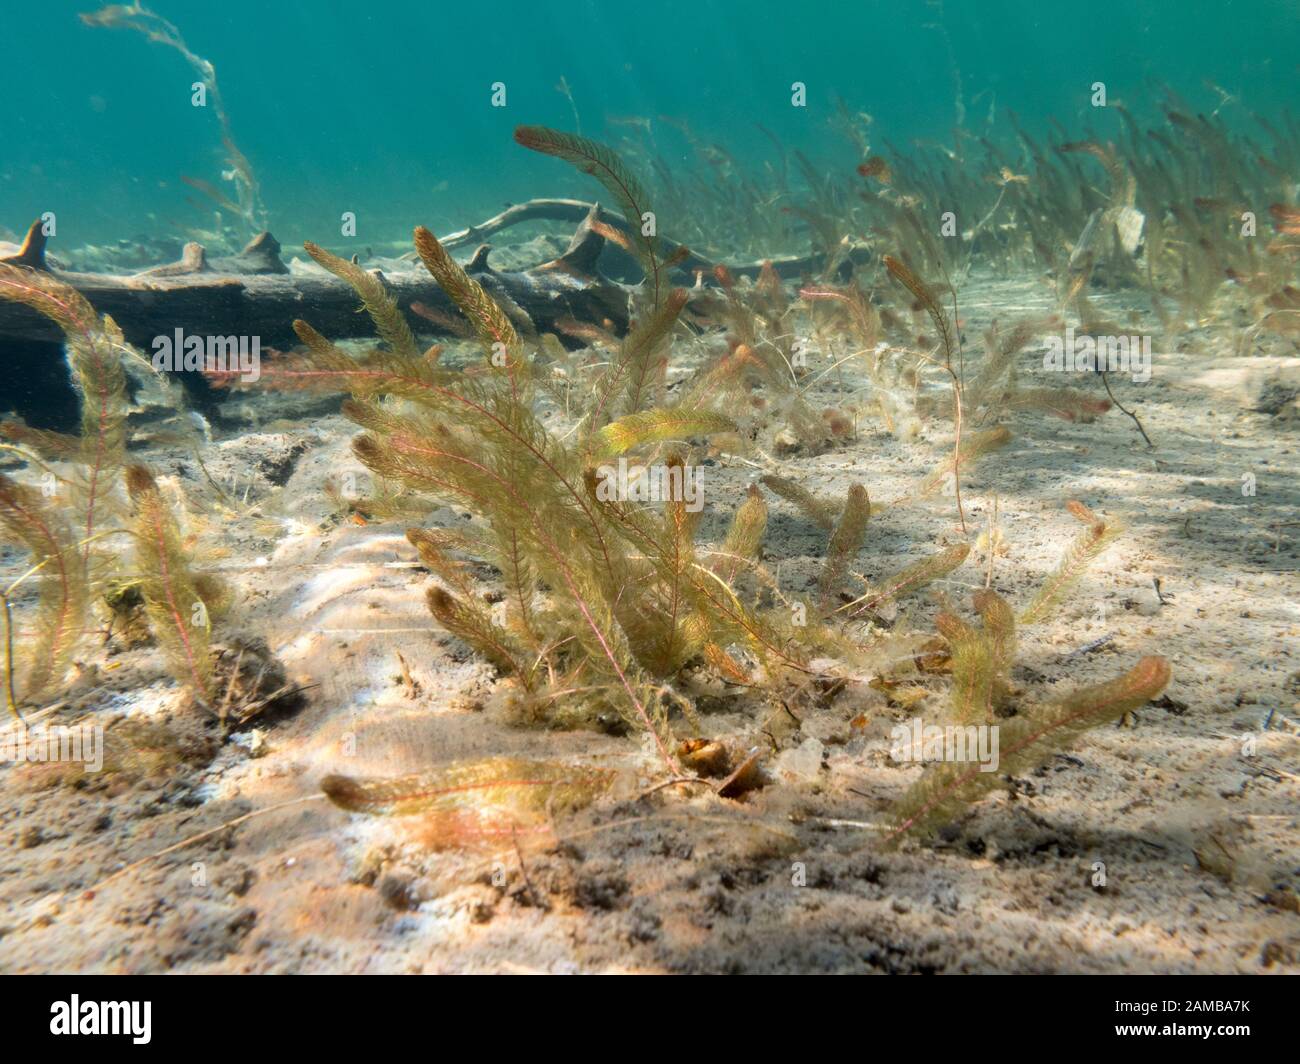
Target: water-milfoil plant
980,658
1025,742
59,568
95,352
179,602
605,601
598,603
492,801
69,525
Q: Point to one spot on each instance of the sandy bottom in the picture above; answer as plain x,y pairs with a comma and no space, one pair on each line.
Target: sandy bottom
1195,826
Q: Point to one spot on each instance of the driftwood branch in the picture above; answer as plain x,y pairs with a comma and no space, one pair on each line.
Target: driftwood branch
792,267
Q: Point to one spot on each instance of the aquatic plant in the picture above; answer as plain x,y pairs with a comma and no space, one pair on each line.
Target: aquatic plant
846,538
948,337
180,603
1094,539
64,554
819,511
757,383
607,168
909,579
95,350
63,591
626,605
1024,742
605,601
473,803
69,557
946,475
601,608
980,658
247,203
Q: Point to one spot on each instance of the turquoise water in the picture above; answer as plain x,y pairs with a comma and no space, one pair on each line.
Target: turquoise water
385,109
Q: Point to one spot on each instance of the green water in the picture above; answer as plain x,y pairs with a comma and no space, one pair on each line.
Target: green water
386,109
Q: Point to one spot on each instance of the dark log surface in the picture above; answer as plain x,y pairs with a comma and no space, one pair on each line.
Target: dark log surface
220,305
203,299
253,294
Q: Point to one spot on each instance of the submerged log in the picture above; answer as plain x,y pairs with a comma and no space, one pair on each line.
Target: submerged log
254,295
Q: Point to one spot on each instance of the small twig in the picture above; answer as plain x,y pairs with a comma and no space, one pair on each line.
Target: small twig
1123,409
90,892
523,868
674,782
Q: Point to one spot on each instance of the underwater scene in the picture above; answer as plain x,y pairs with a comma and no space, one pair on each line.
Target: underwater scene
705,488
